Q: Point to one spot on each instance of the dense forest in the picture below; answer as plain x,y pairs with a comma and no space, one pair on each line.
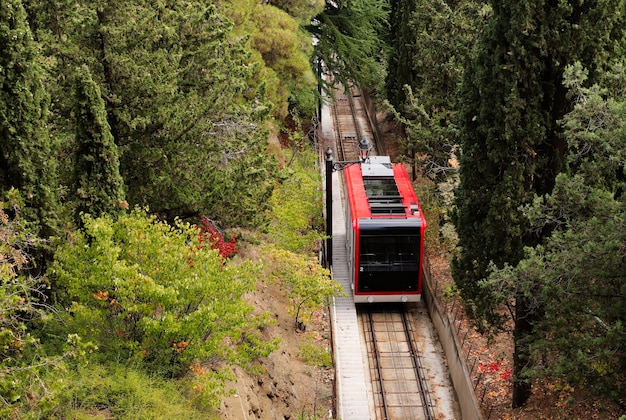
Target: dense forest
140,140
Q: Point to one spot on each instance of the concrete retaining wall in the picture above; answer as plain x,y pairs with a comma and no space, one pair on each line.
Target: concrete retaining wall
461,380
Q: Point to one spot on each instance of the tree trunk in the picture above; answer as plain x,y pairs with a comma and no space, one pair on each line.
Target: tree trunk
521,355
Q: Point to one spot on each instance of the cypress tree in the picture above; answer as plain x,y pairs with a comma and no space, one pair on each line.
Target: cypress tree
27,158
402,53
174,79
512,148
577,276
98,185
430,42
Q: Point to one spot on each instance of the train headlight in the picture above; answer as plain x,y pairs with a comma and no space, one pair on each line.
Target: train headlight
405,299
370,299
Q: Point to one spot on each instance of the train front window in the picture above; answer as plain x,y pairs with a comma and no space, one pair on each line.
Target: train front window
389,249
388,263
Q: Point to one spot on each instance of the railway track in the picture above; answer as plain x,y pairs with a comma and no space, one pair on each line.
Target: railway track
351,124
398,379
381,373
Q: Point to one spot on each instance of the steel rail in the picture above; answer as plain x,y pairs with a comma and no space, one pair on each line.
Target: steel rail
422,383
346,126
347,154
402,372
355,120
338,131
377,362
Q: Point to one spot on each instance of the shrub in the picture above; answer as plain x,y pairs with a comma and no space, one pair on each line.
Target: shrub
149,293
308,285
115,391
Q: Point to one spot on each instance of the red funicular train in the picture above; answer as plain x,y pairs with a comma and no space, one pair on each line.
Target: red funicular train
384,231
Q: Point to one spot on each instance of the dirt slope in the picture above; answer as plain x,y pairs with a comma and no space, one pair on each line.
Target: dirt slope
289,388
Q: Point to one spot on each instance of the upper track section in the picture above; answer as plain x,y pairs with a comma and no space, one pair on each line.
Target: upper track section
351,123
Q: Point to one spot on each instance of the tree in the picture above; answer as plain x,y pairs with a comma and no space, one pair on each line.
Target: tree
512,146
174,79
281,51
295,234
307,284
349,41
27,154
576,278
302,11
296,206
98,184
23,303
430,42
403,52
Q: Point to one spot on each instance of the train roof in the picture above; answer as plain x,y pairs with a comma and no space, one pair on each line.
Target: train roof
381,189
377,166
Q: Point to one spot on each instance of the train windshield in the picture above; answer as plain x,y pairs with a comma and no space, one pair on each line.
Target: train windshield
389,259
394,250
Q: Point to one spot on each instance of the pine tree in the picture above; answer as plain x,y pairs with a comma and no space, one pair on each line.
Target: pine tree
27,158
98,185
512,147
349,39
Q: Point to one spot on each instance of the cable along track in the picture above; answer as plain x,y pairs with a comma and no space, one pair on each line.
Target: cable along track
398,378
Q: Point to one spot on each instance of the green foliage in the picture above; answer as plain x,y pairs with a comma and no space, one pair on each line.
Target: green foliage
450,291
296,206
314,354
350,41
115,391
296,214
414,145
282,50
302,10
97,181
576,277
430,43
512,146
23,302
308,285
175,80
149,293
576,280
435,202
27,155
19,294
503,123
596,133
